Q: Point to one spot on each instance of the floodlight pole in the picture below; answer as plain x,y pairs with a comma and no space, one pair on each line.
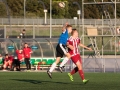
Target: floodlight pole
8,12
78,12
24,13
50,18
45,11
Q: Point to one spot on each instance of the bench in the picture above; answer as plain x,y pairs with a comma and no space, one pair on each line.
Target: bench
38,63
44,63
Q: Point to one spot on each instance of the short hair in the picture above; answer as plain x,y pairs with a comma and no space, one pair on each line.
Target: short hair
68,26
6,55
73,30
23,29
25,43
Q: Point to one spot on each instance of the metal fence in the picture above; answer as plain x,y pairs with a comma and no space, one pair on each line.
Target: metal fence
38,34
45,48
39,21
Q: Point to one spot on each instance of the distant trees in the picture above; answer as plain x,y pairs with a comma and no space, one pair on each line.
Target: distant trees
2,9
35,9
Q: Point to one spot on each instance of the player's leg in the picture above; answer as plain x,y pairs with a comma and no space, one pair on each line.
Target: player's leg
74,59
79,65
26,62
29,65
49,72
5,65
59,54
68,56
65,60
72,72
10,64
19,65
54,64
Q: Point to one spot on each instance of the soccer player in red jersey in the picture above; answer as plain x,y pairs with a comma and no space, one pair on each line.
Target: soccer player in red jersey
20,57
27,54
73,44
7,62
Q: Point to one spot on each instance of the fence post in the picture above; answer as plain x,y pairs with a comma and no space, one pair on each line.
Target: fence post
33,32
4,31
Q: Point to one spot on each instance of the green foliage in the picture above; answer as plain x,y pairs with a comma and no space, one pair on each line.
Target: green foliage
34,8
2,9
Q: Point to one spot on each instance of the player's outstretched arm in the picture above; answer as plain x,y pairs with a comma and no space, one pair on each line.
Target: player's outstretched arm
85,47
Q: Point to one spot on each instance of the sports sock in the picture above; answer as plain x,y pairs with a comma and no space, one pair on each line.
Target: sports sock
64,62
74,71
52,67
81,74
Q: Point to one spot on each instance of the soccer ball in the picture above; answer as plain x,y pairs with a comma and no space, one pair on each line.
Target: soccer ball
62,4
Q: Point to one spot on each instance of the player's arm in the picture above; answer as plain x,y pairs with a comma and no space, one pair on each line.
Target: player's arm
64,26
81,45
70,46
30,50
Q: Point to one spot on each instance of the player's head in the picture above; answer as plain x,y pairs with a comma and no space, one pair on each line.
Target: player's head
69,28
25,45
74,33
6,55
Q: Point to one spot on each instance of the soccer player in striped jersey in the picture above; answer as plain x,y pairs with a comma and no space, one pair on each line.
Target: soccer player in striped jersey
61,47
75,55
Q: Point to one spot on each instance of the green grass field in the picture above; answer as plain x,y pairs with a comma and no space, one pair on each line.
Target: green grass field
40,81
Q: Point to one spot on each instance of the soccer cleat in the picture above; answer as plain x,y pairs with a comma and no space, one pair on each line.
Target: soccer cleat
49,74
60,68
70,76
85,81
28,70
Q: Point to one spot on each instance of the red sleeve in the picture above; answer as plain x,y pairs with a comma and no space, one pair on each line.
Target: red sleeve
30,50
11,58
17,51
23,51
79,41
69,42
22,54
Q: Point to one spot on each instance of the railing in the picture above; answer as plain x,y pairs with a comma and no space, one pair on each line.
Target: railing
45,48
38,21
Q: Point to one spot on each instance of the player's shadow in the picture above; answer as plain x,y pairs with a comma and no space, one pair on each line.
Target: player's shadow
37,81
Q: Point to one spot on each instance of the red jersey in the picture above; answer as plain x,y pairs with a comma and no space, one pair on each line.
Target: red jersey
10,58
74,42
20,56
27,52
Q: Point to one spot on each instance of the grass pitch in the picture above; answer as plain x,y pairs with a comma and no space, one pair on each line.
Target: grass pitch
60,81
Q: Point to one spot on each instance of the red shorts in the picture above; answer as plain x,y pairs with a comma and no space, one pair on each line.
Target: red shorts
76,58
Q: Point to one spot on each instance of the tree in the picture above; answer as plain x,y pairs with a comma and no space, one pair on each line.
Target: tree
16,7
2,9
35,9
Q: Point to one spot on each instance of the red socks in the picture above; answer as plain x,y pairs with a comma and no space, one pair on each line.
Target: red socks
74,71
81,74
